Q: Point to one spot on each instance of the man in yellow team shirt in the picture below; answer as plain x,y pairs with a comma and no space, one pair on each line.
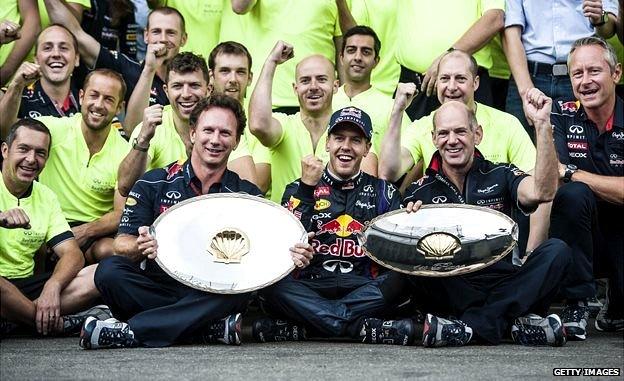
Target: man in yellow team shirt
359,57
292,137
30,216
229,65
504,139
163,137
82,167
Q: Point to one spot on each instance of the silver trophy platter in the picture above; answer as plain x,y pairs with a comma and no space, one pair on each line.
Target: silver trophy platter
227,242
440,240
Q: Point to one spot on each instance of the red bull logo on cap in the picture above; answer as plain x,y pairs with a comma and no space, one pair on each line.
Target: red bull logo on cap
351,111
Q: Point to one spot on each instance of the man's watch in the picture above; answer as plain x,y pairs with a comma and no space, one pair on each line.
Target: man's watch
603,19
569,171
136,146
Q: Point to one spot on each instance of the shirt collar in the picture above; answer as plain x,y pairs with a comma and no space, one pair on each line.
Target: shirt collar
335,182
193,181
435,165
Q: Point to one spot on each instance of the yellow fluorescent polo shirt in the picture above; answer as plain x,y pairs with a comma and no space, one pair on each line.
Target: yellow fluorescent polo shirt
8,11
167,146
381,15
203,22
420,38
310,26
500,67
504,139
294,144
85,186
47,224
377,105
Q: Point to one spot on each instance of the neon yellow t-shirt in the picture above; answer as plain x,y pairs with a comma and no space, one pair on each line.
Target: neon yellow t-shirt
500,67
428,28
619,51
43,12
377,105
167,146
309,26
84,185
294,144
381,15
504,139
8,11
203,22
47,224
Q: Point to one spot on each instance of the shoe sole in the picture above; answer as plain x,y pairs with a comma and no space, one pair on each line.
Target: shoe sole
234,330
86,332
429,331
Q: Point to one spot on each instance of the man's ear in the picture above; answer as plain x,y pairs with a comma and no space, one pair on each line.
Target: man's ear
478,134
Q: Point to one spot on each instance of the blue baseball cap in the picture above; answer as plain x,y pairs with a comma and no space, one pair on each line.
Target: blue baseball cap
353,116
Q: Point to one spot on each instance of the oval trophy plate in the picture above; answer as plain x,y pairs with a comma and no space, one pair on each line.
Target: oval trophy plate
440,240
227,243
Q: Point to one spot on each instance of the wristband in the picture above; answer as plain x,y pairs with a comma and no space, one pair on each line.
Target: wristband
136,146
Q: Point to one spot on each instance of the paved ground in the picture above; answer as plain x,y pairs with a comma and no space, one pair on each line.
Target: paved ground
62,359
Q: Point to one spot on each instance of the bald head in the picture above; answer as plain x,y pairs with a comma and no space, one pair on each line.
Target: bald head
457,112
317,63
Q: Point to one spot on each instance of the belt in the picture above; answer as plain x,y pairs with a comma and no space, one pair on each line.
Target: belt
558,69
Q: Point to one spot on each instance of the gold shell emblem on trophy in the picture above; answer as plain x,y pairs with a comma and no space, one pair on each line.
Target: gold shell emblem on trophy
439,246
228,245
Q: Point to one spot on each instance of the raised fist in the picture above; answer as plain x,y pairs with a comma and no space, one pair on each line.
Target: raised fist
282,52
9,31
311,170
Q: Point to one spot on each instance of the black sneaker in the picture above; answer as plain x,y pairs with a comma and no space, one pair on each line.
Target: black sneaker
605,322
225,331
268,330
536,330
439,332
6,328
73,323
377,331
110,333
593,307
574,317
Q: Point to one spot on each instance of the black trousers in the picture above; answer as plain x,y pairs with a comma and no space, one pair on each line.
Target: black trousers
594,229
332,306
422,105
160,312
489,300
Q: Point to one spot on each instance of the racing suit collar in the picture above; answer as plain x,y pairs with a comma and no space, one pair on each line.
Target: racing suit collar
193,181
335,182
617,117
435,166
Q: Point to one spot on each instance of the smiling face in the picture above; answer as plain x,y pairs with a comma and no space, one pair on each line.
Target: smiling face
347,146
455,82
454,136
26,157
315,84
231,75
214,137
165,28
56,54
184,90
358,58
593,82
100,101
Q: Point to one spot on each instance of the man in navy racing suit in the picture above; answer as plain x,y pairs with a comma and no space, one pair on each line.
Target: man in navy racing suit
342,290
